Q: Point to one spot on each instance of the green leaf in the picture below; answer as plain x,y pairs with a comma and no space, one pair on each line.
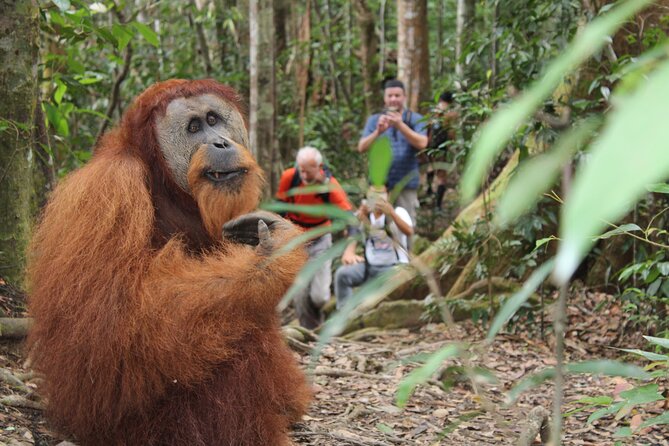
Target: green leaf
543,241
56,119
606,367
148,33
63,5
60,91
660,188
307,236
642,394
622,229
596,400
596,415
648,355
624,431
535,176
638,121
385,428
502,125
423,373
660,419
322,210
662,342
512,304
122,35
380,159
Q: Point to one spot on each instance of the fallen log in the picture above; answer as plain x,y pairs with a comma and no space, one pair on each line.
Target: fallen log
416,313
14,328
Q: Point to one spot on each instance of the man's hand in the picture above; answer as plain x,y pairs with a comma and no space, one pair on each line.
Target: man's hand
351,258
383,206
382,124
393,118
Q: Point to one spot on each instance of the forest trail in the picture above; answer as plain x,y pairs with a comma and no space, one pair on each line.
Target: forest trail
355,384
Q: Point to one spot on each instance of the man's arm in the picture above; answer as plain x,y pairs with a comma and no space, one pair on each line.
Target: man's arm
404,226
366,141
372,131
349,257
417,141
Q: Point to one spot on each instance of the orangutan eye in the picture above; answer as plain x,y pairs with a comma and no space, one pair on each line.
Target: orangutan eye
194,125
212,119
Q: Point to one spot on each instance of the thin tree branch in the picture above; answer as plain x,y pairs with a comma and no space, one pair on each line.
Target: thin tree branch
116,89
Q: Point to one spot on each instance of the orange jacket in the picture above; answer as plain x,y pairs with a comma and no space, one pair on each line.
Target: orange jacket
336,195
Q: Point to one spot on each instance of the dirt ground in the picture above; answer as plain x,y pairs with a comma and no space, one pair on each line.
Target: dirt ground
356,381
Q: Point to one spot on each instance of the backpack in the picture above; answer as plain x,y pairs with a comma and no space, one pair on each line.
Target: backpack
368,239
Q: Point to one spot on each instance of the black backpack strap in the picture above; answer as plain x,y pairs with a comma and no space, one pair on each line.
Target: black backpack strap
297,180
406,118
389,233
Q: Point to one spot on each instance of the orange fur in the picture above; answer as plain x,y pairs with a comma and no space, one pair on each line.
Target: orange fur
150,330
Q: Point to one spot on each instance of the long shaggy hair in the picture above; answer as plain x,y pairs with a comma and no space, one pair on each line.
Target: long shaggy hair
149,329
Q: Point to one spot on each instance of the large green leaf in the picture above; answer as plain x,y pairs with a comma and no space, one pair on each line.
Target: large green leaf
632,152
380,159
123,35
423,373
604,367
623,229
148,33
502,125
320,210
648,355
662,342
537,175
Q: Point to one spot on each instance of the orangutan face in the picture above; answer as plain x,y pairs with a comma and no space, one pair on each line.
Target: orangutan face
209,124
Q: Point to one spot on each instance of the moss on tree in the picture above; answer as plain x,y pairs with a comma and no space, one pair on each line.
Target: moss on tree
18,88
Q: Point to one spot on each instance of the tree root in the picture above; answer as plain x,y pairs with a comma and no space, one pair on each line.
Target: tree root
537,424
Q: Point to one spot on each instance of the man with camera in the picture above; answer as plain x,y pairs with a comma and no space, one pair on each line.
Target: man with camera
387,232
408,136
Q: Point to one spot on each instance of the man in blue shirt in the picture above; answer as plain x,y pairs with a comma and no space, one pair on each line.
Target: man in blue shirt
408,136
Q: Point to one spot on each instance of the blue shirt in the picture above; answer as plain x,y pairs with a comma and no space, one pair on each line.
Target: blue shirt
405,161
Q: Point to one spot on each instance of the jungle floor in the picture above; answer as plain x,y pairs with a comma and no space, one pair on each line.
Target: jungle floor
356,381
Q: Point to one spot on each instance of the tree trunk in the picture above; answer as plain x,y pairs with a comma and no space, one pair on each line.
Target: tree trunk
262,87
369,43
19,26
464,15
242,43
201,38
303,66
412,51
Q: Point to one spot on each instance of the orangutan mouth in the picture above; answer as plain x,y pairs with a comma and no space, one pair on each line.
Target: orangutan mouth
218,176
